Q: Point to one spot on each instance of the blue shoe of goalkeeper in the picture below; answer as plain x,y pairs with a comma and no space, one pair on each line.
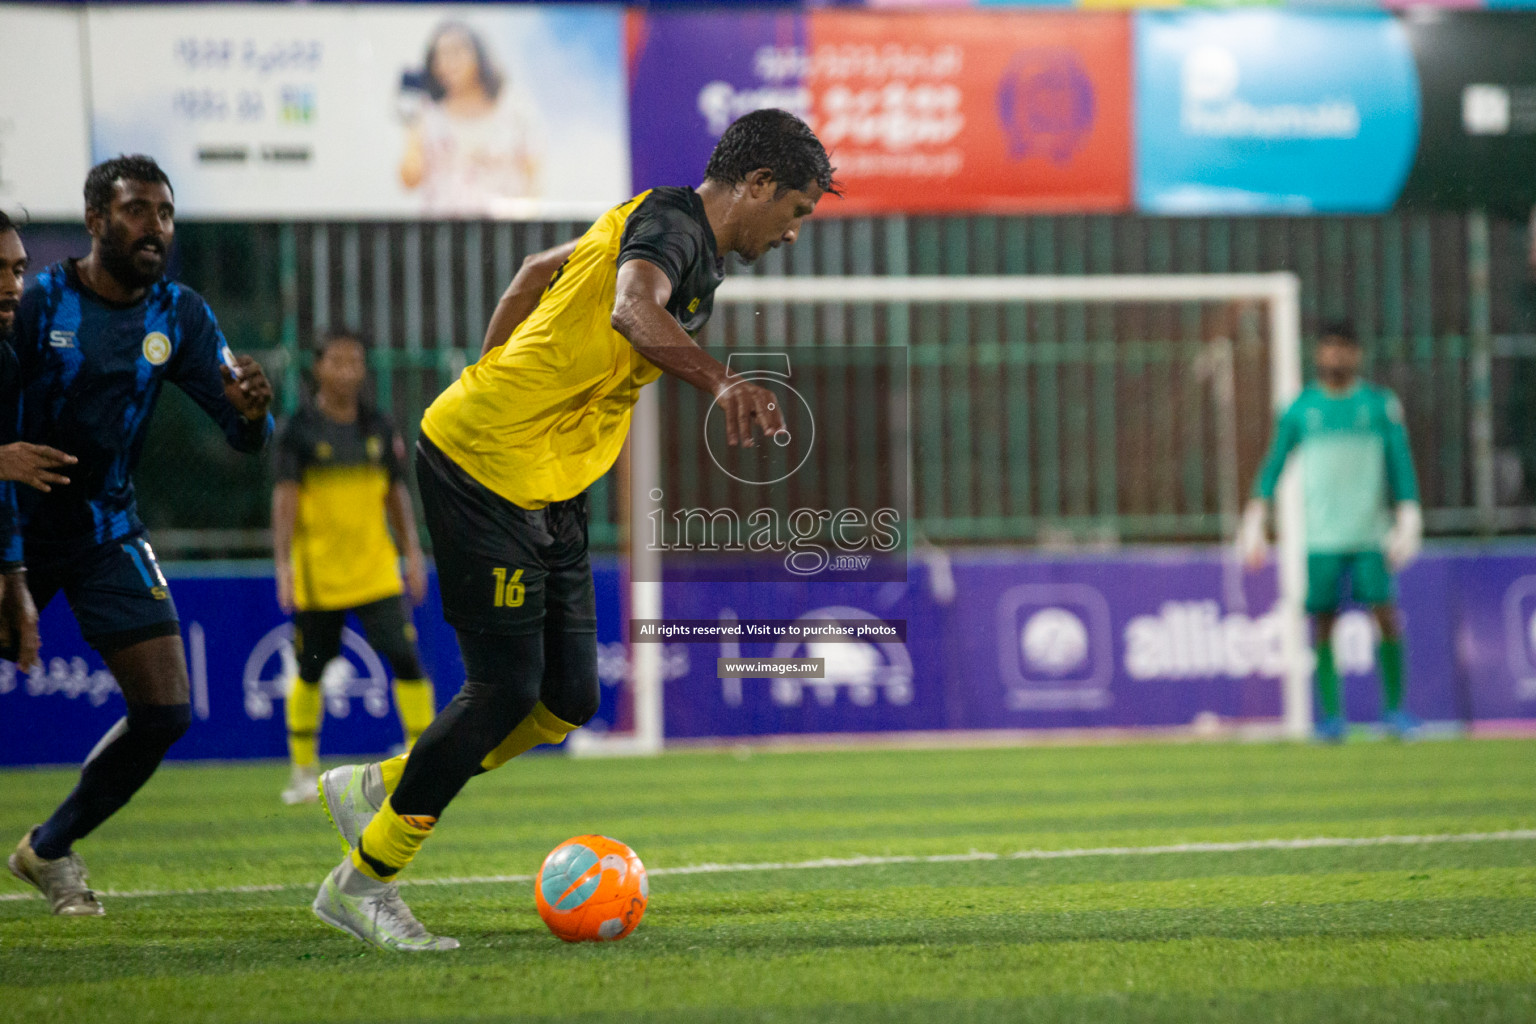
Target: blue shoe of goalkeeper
1332,730
1401,725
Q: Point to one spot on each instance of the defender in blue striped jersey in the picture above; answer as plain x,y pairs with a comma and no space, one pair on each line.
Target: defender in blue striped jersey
96,338
31,464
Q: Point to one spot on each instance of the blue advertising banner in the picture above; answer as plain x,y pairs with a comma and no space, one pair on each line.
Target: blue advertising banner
1272,111
239,655
993,640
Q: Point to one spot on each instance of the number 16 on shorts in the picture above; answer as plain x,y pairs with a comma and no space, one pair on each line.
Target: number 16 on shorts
509,589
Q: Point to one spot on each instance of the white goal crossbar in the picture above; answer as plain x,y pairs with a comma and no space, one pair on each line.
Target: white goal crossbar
1281,292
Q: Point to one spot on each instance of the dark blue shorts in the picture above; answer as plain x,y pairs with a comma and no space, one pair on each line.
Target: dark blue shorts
116,590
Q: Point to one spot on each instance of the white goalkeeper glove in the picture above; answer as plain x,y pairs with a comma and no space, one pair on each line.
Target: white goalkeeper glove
1252,544
1406,538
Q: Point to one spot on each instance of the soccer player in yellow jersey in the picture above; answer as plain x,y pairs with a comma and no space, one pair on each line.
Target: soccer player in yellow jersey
506,455
340,476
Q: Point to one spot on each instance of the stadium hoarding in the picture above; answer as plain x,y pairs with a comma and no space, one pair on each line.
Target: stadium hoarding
921,111
991,640
391,112
1477,76
1267,111
44,134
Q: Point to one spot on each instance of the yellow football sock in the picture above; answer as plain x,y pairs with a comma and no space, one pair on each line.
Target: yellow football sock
415,702
391,770
541,726
390,842
304,712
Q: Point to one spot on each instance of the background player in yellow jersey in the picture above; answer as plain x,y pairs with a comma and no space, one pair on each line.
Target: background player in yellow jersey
506,455
340,474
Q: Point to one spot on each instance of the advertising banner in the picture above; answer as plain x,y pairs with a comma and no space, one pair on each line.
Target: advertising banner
1272,111
408,111
1478,78
921,111
994,640
239,657
44,138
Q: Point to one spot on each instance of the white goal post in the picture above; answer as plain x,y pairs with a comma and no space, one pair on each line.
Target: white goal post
1280,292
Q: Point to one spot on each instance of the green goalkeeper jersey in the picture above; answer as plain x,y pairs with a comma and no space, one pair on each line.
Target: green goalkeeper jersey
1355,464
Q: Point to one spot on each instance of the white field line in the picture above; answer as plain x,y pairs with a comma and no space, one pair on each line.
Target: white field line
1240,846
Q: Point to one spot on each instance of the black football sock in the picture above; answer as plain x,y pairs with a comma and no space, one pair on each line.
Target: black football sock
121,763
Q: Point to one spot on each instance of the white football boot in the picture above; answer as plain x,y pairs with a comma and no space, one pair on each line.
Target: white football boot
352,795
61,880
374,912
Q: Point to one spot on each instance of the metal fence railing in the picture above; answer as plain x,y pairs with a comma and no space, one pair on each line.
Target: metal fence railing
1444,303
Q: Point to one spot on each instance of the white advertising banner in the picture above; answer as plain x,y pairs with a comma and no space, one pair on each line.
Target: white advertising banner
44,139
322,112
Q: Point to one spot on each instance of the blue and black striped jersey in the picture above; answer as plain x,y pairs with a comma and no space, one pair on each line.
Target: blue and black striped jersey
10,406
91,371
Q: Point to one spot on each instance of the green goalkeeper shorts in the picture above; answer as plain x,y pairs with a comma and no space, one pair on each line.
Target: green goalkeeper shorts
1334,577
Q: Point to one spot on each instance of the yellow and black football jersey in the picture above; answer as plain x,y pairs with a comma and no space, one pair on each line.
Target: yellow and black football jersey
343,554
543,415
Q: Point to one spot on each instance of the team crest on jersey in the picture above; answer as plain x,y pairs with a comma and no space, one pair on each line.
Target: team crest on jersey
157,348
323,451
375,448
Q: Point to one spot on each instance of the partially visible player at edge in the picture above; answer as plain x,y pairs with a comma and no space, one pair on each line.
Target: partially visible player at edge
1362,515
31,464
340,488
505,458
96,338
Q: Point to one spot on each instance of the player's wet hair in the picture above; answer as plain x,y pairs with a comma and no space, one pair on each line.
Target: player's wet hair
777,140
103,178
485,68
7,224
1343,330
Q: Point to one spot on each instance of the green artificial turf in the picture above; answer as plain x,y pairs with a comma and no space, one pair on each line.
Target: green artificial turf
1440,931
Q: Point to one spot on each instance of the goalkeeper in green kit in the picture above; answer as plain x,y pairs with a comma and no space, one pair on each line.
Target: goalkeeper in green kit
1362,515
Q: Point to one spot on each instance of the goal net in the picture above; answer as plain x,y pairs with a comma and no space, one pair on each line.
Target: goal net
1081,413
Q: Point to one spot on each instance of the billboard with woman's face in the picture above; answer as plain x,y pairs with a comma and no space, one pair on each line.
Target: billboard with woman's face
368,112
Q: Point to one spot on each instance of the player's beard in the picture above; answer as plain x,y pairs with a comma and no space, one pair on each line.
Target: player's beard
136,264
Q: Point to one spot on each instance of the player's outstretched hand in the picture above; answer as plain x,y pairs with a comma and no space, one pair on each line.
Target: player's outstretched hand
18,620
247,387
745,404
32,464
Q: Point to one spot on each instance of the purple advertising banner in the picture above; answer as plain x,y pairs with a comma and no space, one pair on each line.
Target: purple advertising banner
694,72
1147,638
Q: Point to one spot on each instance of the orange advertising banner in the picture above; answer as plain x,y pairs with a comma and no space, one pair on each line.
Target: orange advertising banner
971,110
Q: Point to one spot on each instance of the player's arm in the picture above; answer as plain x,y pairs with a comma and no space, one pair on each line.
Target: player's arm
1407,534
522,295
288,467
402,519
640,315
18,615
285,514
1251,539
232,390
